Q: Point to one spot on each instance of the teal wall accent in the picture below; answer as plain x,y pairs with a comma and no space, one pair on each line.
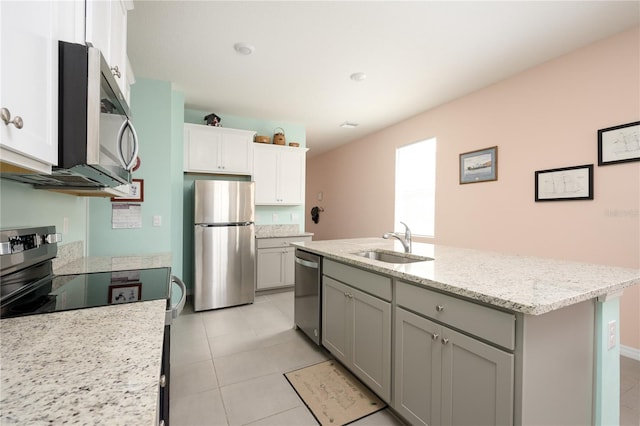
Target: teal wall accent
21,205
607,404
293,133
177,154
153,107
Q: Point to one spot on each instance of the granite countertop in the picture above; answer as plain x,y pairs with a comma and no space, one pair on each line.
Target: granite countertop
87,265
530,285
280,231
87,366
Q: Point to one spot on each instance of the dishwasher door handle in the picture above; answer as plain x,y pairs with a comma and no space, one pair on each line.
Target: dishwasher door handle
306,263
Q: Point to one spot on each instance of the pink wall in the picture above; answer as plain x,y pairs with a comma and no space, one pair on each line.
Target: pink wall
544,118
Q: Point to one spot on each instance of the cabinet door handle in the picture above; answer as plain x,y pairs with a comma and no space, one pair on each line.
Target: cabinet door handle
435,336
445,341
439,308
163,381
6,117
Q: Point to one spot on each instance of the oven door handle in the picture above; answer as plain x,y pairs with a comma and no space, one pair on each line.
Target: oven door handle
180,305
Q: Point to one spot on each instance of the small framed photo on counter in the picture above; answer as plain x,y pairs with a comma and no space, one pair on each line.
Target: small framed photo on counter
619,144
125,293
568,183
479,166
136,192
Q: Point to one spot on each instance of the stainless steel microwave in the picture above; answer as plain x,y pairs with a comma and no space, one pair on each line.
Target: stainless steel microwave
97,142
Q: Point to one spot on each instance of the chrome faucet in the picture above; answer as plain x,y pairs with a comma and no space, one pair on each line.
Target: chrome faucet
406,241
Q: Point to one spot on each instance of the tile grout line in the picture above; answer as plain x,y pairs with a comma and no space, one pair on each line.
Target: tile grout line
213,364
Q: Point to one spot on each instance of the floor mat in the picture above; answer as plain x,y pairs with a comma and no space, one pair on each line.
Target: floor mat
333,394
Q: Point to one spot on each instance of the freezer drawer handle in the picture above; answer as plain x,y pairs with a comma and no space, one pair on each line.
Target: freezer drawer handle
306,263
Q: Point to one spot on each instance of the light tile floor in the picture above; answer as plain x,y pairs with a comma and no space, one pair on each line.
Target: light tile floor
228,365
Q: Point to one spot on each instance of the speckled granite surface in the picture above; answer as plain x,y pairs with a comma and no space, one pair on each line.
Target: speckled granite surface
524,284
86,265
68,252
275,231
88,366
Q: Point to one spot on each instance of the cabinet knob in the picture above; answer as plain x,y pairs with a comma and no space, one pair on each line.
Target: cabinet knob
435,336
439,308
445,341
115,71
6,117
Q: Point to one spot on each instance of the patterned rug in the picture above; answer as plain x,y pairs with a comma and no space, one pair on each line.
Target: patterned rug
333,394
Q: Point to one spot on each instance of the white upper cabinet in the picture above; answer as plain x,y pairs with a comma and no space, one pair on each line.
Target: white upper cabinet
219,150
29,84
106,29
279,173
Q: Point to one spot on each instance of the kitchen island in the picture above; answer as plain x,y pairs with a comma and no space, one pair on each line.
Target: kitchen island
90,366
524,335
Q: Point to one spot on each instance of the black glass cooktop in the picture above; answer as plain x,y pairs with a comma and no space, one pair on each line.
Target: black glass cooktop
66,292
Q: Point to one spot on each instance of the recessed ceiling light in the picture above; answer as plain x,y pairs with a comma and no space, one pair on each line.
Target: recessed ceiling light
348,125
358,76
244,48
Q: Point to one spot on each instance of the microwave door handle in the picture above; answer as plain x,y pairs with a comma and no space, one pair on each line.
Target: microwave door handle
127,165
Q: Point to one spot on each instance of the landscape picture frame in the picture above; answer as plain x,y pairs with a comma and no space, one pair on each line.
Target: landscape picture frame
619,144
564,184
479,166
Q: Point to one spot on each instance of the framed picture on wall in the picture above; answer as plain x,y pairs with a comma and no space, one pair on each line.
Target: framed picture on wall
619,144
136,192
568,183
479,166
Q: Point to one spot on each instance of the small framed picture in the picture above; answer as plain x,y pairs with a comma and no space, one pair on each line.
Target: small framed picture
136,192
619,144
479,166
569,183
125,293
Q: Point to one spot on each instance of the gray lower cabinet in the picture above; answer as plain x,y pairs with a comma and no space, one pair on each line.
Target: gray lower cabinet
357,331
275,261
443,377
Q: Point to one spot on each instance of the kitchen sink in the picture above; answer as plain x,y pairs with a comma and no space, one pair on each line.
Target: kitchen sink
392,256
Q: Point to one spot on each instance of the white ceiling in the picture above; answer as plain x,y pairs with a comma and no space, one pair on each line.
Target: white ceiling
416,55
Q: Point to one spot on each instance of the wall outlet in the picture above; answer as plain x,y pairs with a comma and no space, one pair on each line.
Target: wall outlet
320,195
274,218
157,221
611,335
65,225
294,217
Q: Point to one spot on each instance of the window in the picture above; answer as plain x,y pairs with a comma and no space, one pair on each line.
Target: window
416,187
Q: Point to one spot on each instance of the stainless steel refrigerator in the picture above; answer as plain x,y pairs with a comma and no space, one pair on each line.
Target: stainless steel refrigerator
224,244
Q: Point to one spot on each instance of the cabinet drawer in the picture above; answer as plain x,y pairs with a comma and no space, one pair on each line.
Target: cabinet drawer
487,323
280,241
368,282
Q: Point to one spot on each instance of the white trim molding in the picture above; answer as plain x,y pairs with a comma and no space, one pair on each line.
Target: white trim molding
630,352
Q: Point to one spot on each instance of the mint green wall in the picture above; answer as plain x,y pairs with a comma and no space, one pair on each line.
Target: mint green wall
154,108
293,133
21,205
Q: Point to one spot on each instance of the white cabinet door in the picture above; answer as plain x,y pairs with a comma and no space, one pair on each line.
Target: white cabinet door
271,268
29,84
291,176
217,150
279,173
265,165
106,29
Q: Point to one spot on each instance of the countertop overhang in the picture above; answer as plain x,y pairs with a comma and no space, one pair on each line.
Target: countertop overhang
524,284
97,365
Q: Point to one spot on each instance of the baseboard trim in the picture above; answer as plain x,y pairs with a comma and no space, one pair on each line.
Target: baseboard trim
630,352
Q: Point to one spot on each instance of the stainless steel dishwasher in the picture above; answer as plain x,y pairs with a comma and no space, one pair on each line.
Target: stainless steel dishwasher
307,291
